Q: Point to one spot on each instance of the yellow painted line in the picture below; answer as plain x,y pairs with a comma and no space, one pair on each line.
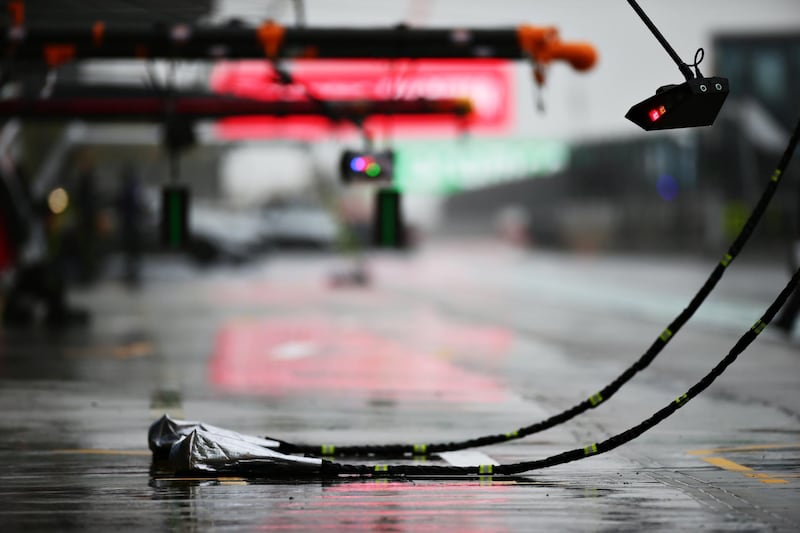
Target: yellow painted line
727,464
754,448
232,482
766,478
135,349
94,451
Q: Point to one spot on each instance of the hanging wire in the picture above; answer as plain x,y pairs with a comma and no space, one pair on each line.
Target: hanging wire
699,55
211,454
333,469
421,449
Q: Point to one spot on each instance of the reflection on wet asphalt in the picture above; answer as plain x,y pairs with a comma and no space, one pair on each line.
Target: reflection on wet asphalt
437,350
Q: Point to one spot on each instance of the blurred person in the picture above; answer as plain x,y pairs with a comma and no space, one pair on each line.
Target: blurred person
12,227
130,207
12,233
86,206
32,279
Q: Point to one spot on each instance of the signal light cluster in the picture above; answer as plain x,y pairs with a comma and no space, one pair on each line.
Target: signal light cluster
367,167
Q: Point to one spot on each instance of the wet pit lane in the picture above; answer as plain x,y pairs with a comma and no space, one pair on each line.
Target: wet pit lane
435,350
74,491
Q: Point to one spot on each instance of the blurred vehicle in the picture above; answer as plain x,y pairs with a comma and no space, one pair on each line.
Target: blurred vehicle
300,225
217,233
224,234
228,235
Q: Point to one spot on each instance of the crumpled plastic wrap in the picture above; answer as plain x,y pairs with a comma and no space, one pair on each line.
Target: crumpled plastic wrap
195,447
166,431
207,452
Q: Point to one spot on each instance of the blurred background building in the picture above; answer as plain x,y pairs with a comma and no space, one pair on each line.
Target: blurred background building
574,174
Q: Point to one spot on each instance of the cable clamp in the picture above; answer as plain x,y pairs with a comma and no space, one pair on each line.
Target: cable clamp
381,468
420,449
16,12
683,398
726,260
665,335
759,326
328,449
536,42
486,469
270,34
590,450
596,399
98,33
776,175
512,434
57,54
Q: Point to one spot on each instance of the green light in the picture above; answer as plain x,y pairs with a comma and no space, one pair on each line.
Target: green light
373,169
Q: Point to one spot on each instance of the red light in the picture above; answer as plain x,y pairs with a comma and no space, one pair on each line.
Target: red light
654,114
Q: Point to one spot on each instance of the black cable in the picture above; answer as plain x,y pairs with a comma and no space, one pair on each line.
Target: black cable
699,55
395,450
332,469
683,67
327,110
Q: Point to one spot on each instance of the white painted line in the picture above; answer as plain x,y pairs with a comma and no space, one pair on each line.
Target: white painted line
467,458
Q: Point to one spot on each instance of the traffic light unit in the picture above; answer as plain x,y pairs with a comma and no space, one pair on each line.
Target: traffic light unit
370,167
695,102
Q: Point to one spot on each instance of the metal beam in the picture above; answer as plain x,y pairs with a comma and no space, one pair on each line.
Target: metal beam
57,44
211,107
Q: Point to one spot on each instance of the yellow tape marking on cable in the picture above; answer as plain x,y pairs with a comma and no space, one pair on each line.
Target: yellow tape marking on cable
328,449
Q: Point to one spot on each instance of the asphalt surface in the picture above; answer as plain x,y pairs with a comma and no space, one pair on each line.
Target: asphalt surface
451,342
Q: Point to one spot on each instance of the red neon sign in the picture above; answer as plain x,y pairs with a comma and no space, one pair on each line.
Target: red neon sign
487,83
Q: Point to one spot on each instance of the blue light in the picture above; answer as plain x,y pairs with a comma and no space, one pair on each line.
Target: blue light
667,187
358,164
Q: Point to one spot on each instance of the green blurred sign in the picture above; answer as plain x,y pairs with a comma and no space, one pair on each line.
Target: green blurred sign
175,216
450,166
388,224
